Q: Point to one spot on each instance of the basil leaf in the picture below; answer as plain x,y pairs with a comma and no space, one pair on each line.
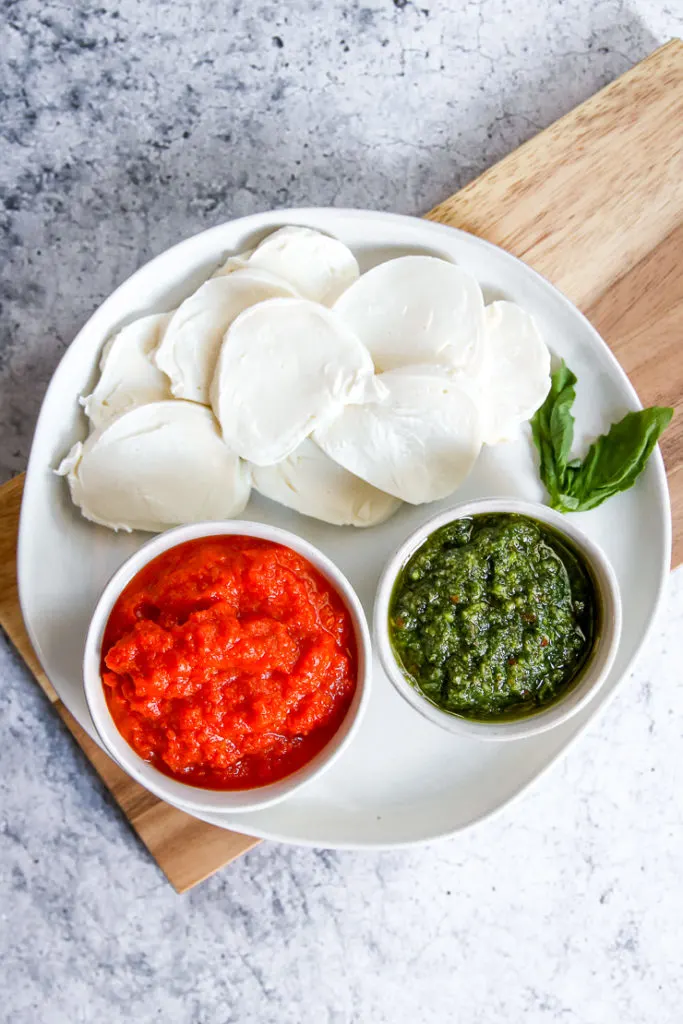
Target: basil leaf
547,467
552,427
613,462
565,503
616,459
562,424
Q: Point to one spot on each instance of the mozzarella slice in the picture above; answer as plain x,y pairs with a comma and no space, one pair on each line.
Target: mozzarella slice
418,444
129,376
286,366
417,309
157,466
311,483
232,263
516,373
319,267
189,349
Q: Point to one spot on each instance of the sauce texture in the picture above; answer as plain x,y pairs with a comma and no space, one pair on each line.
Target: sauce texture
229,662
494,616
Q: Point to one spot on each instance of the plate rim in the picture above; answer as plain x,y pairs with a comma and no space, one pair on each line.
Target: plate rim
290,215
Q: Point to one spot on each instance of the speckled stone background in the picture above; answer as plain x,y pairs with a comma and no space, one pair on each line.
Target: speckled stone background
125,127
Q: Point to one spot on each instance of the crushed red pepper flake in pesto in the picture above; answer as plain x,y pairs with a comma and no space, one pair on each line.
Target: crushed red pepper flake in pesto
493,616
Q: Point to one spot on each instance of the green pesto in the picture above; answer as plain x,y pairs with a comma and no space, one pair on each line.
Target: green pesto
493,616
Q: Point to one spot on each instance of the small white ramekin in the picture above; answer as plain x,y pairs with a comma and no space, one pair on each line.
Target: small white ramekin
193,798
592,675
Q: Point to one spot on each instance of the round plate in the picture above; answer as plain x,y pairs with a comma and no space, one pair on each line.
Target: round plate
403,780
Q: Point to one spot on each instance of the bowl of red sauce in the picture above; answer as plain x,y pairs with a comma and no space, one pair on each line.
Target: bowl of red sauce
226,665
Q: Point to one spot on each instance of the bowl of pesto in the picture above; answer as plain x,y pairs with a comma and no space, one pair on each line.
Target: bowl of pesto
497,619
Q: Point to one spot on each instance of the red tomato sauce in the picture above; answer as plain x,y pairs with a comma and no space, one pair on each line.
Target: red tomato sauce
229,662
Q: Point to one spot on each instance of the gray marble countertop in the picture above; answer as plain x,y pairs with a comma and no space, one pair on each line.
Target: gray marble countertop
126,127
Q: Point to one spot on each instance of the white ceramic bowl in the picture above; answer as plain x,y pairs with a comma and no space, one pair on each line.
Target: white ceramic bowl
193,798
592,674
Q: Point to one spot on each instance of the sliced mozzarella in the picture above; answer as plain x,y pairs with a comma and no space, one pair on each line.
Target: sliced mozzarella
232,263
515,376
318,266
417,309
311,483
418,444
157,466
189,349
129,376
286,366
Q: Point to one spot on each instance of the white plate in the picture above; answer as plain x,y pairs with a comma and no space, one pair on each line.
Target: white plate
403,780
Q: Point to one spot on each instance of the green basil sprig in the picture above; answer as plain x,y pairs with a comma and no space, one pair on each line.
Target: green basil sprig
613,462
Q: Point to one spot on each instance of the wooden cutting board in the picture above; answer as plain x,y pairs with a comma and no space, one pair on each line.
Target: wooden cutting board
595,203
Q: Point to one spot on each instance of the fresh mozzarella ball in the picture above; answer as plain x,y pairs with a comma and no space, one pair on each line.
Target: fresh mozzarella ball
417,309
286,366
418,444
319,267
189,349
157,466
515,376
129,376
309,482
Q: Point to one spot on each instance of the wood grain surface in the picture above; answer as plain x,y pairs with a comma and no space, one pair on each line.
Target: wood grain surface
595,203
